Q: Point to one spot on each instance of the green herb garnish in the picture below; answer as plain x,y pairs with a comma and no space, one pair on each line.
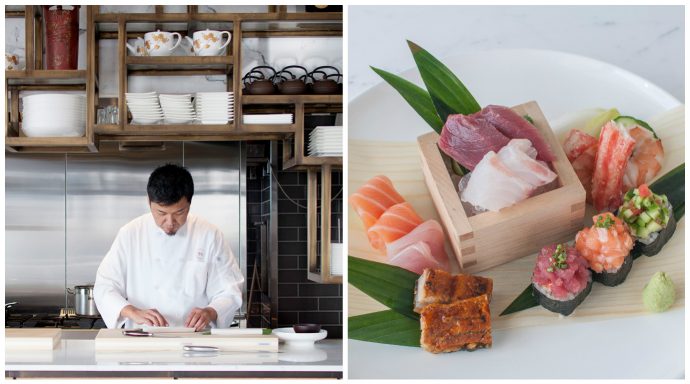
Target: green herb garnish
528,118
604,221
558,260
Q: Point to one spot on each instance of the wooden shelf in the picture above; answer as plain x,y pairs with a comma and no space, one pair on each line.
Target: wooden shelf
46,77
175,129
50,144
291,99
210,17
309,162
179,65
268,128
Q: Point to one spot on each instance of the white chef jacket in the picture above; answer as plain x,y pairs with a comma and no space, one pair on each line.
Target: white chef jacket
147,268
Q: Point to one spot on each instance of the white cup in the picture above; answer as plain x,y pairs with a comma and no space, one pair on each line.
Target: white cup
209,43
14,60
161,43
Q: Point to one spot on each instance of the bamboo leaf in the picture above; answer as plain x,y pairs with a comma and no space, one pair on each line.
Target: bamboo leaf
447,92
671,184
391,286
386,327
415,96
524,301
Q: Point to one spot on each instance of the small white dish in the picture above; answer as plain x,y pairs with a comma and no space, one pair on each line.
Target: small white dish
299,340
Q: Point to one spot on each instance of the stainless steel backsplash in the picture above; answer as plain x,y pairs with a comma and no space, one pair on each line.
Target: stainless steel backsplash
62,212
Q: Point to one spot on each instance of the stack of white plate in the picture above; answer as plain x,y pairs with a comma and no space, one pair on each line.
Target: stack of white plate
54,114
269,118
214,107
144,107
177,109
326,141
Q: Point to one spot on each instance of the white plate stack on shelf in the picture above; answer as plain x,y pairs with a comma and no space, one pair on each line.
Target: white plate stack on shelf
326,141
54,115
214,107
145,107
177,109
269,118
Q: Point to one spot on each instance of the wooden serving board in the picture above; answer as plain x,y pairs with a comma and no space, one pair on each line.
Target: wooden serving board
400,161
36,339
113,340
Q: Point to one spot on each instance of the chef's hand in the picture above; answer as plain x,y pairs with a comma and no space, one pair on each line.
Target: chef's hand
199,318
144,316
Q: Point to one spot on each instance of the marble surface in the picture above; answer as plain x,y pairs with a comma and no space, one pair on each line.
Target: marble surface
645,40
76,352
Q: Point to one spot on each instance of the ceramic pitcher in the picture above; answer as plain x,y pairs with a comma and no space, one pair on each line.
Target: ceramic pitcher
209,43
161,43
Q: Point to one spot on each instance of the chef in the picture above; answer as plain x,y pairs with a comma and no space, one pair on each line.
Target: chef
169,267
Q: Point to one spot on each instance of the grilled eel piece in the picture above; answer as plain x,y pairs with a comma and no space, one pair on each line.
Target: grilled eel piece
463,324
439,286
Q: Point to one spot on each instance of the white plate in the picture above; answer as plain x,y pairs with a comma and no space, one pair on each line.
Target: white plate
629,347
305,340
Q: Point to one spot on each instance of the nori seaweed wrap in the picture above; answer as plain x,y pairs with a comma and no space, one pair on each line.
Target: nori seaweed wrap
650,218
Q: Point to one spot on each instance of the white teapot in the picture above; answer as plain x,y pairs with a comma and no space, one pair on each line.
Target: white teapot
161,43
138,48
208,42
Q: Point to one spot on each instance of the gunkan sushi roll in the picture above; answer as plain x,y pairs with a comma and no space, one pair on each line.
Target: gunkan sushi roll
650,218
561,279
606,246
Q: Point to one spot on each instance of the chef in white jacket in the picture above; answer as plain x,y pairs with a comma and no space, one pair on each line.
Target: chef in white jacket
169,267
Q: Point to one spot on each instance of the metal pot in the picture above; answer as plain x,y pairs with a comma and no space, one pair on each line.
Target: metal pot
84,304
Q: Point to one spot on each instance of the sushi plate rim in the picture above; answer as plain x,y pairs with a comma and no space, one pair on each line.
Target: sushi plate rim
592,83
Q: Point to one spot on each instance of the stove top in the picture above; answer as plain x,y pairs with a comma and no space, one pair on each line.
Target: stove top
48,320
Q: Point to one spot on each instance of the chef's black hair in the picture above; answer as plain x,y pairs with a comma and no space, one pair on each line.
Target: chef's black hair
169,183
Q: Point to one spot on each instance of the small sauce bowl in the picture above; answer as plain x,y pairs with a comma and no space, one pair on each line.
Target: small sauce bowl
306,328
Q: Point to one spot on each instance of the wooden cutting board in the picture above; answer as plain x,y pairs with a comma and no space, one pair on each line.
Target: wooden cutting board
400,161
113,340
25,339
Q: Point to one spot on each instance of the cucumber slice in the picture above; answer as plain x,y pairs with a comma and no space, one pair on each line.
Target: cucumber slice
629,122
628,213
654,227
644,216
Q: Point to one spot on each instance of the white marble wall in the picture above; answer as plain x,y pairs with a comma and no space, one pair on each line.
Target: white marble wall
646,40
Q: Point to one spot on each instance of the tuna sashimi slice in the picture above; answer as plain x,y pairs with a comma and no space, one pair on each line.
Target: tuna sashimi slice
517,156
416,257
615,147
494,186
394,223
467,138
515,126
373,198
429,232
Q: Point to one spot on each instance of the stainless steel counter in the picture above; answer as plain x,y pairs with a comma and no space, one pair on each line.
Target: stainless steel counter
75,356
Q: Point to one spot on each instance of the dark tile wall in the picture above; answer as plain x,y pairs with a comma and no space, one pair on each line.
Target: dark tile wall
299,300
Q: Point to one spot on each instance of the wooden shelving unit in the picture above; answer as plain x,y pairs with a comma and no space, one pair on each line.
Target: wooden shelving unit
35,78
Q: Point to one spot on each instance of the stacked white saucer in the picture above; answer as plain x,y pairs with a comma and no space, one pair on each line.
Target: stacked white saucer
214,107
54,115
326,141
268,118
145,107
177,109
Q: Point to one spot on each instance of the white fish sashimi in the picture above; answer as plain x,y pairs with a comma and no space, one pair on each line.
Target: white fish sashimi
493,186
415,258
520,156
429,232
503,179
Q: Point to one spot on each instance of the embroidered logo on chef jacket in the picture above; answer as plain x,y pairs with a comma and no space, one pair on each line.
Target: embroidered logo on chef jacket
199,255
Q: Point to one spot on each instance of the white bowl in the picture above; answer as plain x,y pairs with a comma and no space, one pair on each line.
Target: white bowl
299,340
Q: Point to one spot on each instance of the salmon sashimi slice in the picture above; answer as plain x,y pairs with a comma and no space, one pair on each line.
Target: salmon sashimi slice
394,223
515,126
614,148
646,160
430,232
605,248
467,138
373,198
